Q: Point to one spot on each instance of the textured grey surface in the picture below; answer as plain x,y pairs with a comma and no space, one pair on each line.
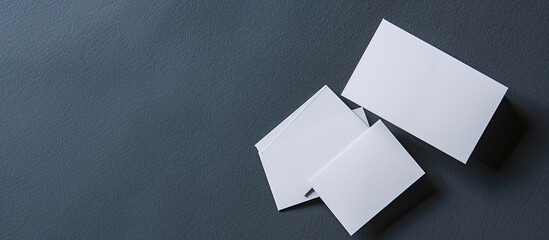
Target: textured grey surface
137,119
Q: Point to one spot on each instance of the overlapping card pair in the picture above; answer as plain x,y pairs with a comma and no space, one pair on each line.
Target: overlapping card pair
326,146
304,142
326,150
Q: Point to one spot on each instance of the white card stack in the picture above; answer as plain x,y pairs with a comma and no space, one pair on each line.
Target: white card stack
304,142
324,149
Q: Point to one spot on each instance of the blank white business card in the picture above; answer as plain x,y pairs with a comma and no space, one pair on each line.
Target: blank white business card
309,140
424,91
365,177
283,193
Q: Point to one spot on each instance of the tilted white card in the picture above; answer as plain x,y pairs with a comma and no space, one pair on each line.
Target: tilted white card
284,194
318,132
365,177
424,91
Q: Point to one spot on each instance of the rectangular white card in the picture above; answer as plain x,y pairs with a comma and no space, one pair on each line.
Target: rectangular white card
424,91
283,193
365,177
309,140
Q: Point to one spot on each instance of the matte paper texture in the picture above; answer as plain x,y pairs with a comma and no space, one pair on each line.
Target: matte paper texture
365,177
424,91
323,127
283,193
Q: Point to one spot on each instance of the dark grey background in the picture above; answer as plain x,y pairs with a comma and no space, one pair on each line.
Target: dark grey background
137,119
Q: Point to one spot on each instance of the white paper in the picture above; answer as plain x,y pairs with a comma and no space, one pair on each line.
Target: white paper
283,193
362,115
424,91
306,142
365,177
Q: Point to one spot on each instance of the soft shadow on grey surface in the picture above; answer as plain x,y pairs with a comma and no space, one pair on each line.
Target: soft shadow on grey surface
418,194
502,135
309,203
